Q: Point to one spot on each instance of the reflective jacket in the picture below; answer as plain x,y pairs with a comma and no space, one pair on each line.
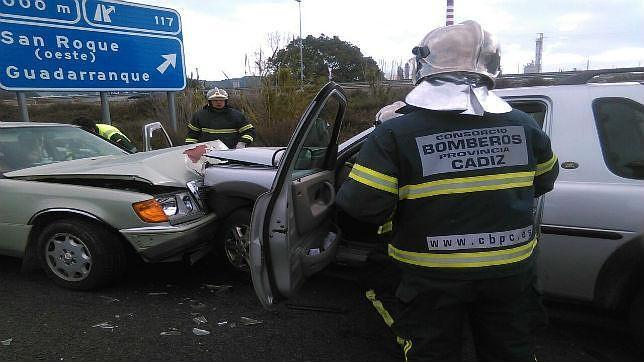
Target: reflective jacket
459,189
228,125
115,136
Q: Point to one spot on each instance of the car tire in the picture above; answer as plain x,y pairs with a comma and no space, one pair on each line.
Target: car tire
80,255
232,240
636,319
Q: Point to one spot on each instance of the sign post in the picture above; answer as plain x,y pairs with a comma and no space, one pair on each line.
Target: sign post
90,45
22,104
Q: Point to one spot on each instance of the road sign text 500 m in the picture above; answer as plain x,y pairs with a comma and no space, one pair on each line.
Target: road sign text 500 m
26,4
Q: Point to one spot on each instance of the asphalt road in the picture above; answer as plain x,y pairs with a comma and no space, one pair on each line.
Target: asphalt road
149,315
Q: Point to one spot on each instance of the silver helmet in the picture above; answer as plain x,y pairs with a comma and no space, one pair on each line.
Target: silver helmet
464,47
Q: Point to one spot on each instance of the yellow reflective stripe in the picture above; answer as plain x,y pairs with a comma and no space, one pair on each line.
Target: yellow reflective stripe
464,260
407,348
389,320
386,227
246,128
374,179
376,174
191,140
221,130
375,185
248,137
371,295
546,166
468,184
193,127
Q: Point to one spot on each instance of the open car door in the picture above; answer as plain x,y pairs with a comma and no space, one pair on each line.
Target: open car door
292,233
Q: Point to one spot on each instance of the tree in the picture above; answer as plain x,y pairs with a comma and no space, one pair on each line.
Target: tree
325,57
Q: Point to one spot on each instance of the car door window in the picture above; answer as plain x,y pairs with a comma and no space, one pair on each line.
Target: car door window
313,155
535,109
620,123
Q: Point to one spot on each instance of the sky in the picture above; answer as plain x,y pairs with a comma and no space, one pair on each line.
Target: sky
220,34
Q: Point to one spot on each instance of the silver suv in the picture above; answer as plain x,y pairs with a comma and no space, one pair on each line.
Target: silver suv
592,247
592,244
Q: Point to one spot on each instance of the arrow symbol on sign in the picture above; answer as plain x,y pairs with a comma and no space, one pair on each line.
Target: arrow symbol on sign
170,59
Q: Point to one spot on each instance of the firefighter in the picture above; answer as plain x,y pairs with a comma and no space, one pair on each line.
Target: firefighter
457,177
217,121
106,131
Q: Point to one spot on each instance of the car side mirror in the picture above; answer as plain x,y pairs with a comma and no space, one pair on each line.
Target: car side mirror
155,137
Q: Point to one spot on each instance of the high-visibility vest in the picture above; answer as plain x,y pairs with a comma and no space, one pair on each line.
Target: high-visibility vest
107,131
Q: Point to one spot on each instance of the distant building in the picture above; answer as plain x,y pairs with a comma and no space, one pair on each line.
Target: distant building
531,68
235,83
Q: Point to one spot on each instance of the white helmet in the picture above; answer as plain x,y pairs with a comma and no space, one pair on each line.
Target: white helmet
388,112
464,47
216,93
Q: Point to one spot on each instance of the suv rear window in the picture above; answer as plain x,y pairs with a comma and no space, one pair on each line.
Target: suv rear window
620,123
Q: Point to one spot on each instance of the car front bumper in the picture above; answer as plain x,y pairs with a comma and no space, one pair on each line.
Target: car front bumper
156,243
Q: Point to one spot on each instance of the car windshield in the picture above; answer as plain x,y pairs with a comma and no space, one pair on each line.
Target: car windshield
24,147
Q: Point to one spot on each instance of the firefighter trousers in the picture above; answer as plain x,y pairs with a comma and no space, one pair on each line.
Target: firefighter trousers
503,315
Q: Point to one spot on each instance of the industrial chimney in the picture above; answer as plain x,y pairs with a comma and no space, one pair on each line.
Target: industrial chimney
449,16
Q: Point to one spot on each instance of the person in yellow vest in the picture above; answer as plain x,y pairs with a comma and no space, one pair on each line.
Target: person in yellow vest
109,132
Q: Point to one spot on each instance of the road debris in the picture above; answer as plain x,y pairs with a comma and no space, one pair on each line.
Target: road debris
200,332
245,321
6,342
200,319
171,332
106,325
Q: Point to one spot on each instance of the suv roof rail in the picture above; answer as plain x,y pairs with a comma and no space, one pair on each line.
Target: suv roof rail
585,76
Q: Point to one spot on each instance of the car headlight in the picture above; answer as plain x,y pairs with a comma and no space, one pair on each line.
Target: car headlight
179,206
168,204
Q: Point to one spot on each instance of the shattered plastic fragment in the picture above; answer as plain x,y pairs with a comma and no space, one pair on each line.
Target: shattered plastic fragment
158,293
109,299
200,332
6,342
106,325
200,319
245,321
171,332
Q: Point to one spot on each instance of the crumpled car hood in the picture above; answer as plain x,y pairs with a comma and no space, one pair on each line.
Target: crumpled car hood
264,156
165,167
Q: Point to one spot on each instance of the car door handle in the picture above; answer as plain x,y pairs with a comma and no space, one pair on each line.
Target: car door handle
326,198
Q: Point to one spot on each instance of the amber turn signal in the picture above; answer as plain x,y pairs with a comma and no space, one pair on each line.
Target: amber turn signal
150,211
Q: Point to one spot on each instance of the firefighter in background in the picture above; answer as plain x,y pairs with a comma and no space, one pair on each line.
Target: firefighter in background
458,177
217,121
109,132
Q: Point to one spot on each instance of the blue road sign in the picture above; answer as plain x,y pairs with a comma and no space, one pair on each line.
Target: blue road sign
132,17
107,45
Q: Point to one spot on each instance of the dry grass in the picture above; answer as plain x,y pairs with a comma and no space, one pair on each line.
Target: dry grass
274,109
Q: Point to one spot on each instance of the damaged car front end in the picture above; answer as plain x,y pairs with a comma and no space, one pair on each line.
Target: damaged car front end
79,206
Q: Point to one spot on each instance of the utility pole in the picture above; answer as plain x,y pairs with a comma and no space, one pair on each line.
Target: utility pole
299,5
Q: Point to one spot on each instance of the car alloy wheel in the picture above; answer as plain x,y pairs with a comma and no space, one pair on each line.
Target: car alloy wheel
68,257
236,246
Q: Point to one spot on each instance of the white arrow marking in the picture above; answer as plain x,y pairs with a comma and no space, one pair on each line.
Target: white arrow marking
170,59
